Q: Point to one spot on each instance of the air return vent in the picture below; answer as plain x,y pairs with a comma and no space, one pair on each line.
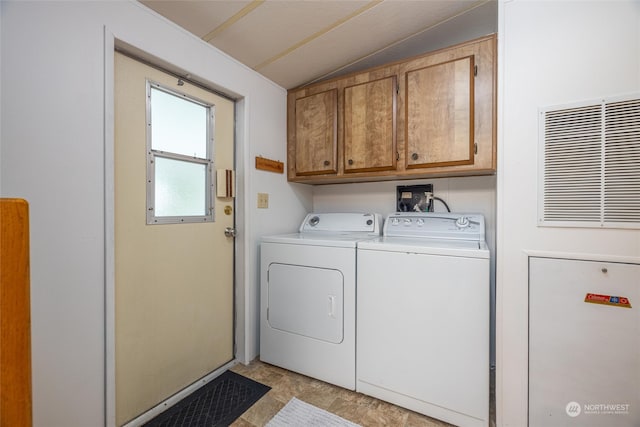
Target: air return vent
590,168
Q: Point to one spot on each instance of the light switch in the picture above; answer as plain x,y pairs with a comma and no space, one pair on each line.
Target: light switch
263,200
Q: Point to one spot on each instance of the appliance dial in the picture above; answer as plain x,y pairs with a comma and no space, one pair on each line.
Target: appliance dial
314,221
462,222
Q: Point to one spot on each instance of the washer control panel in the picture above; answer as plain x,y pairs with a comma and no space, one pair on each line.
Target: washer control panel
445,225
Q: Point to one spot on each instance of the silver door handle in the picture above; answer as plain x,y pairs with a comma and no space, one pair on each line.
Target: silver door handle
230,232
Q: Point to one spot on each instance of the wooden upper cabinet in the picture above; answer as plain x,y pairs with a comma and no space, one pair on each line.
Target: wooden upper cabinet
370,126
316,133
440,114
432,115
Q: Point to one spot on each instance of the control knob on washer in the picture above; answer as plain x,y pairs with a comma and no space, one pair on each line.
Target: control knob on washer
462,222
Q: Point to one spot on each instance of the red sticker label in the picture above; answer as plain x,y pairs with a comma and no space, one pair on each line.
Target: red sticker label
613,300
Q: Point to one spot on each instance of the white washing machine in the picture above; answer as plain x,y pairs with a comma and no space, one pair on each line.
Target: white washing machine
308,296
423,316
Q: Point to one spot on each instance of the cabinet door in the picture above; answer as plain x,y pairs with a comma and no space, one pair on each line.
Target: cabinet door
584,343
316,128
440,114
370,126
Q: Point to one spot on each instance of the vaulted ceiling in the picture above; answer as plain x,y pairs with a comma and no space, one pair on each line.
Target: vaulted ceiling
294,42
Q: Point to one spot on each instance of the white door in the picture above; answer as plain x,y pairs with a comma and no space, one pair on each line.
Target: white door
584,343
173,281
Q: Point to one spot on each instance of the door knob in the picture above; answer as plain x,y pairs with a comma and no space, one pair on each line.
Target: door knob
230,232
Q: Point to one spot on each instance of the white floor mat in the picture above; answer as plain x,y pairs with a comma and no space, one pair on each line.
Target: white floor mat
298,413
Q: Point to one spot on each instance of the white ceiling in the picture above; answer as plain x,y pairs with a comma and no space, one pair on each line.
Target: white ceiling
294,42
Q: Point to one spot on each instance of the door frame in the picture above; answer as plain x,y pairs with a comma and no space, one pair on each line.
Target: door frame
111,42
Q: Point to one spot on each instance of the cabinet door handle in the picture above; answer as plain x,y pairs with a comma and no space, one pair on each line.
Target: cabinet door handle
414,156
327,162
350,162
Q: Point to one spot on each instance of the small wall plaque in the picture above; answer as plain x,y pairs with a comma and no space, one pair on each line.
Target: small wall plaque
269,165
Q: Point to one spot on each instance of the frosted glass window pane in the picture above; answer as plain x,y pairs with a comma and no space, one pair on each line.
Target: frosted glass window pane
179,188
178,125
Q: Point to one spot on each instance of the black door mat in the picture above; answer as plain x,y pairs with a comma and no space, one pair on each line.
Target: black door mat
215,404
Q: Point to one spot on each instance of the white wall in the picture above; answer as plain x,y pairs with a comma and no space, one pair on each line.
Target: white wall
468,194
549,53
55,86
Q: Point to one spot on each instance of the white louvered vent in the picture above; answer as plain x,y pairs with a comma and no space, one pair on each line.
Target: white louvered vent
590,169
622,162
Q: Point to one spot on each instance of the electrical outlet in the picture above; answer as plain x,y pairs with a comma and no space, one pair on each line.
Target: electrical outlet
263,200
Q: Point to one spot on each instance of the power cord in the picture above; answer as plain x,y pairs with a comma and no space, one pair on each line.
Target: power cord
443,202
430,198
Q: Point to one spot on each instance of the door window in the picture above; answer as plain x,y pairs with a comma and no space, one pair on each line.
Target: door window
179,157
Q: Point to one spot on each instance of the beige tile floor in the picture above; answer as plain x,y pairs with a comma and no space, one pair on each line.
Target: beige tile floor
356,407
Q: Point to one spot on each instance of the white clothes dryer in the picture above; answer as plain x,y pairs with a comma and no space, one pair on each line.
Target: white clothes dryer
423,316
308,296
